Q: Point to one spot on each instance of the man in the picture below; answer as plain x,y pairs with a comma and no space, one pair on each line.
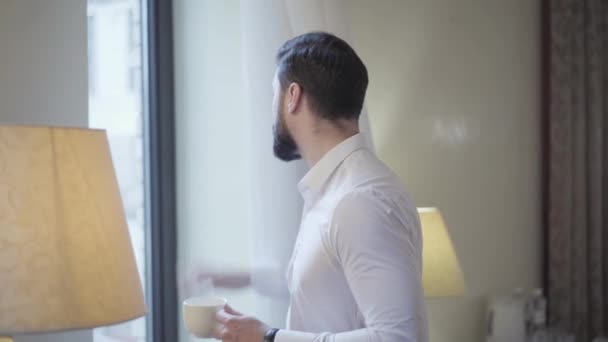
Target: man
355,273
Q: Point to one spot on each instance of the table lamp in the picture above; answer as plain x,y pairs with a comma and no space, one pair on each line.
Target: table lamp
441,273
66,260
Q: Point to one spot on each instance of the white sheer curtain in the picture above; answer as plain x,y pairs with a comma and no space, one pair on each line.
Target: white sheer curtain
238,206
276,203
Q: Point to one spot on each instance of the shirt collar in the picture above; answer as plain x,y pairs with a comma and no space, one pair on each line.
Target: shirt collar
313,182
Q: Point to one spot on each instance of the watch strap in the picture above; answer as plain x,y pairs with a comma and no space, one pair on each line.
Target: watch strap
270,335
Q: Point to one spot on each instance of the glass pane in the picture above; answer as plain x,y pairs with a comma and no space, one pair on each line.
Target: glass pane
115,104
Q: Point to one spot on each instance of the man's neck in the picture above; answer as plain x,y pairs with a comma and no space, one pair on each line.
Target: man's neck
322,142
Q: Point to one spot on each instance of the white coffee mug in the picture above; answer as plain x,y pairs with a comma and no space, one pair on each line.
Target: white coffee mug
199,314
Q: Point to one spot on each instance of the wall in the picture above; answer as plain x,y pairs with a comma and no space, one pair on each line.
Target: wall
43,76
43,71
454,109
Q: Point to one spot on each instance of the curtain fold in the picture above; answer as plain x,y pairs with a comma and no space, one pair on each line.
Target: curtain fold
578,167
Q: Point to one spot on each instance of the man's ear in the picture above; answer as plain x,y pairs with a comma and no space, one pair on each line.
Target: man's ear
294,97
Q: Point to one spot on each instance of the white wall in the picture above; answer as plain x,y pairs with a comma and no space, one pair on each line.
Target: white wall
43,76
454,108
43,68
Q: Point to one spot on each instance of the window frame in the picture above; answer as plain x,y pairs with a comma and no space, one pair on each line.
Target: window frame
159,147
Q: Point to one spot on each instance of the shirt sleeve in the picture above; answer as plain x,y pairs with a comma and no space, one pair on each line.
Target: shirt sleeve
379,249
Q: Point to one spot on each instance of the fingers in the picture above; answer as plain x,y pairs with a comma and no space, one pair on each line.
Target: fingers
231,311
224,317
221,333
225,327
229,322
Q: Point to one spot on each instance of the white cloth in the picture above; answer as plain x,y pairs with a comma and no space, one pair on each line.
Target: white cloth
356,270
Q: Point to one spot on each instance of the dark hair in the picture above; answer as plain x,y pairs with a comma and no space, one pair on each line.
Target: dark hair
329,71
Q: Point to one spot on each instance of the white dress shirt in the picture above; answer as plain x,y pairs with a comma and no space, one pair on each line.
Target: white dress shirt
356,270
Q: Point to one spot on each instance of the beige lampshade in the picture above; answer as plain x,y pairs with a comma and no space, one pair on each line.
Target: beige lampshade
441,273
66,260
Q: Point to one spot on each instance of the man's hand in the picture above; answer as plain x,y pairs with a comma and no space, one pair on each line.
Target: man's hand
235,327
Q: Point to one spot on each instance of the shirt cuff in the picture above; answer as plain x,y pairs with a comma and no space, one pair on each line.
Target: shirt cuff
294,336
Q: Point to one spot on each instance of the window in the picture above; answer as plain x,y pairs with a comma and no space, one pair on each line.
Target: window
131,96
115,104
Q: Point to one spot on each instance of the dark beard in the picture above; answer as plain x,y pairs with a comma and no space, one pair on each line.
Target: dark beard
284,146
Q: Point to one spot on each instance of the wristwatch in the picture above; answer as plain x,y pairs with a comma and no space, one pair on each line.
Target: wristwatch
270,334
